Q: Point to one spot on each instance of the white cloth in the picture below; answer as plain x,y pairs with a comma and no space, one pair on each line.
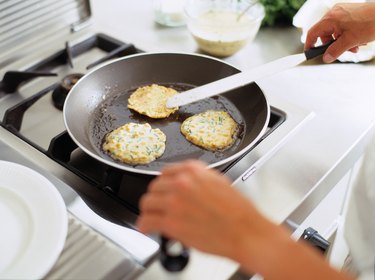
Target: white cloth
359,228
313,10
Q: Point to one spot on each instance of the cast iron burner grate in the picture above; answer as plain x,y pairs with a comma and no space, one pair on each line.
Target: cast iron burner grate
12,80
125,187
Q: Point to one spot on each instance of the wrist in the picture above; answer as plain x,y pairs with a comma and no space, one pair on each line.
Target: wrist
262,253
255,240
275,255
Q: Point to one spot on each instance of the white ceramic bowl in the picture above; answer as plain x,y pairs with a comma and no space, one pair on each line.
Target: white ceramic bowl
217,27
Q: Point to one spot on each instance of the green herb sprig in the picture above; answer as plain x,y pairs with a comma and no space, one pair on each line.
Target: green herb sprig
280,11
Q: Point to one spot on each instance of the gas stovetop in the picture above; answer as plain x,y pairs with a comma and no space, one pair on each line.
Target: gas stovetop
38,66
31,102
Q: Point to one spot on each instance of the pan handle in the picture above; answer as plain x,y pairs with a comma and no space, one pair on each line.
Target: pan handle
171,261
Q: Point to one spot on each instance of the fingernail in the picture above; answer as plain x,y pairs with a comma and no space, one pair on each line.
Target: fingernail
327,58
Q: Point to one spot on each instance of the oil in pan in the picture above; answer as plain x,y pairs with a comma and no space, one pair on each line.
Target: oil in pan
113,112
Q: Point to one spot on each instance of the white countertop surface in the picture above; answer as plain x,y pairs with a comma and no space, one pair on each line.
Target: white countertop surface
341,95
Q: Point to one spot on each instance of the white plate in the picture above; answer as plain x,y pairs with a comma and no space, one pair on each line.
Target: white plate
33,223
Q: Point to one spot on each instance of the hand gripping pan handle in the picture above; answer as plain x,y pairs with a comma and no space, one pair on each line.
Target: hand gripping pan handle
244,78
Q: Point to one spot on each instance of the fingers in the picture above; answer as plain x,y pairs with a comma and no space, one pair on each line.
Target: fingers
342,44
156,210
354,49
178,177
324,29
185,166
155,224
161,184
179,195
150,223
154,202
167,192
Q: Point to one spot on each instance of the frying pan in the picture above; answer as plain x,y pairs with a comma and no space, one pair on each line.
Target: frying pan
97,104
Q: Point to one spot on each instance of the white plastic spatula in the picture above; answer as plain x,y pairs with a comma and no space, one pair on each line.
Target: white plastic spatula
244,78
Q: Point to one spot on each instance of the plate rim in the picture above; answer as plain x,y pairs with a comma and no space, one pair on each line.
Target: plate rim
45,232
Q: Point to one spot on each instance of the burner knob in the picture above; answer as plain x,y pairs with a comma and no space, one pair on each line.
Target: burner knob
61,92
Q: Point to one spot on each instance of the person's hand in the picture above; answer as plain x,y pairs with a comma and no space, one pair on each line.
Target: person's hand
200,208
350,24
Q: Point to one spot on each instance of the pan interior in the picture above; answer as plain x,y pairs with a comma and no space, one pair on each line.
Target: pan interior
97,104
113,113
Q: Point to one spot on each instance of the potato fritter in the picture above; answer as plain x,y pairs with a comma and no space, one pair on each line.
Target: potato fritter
151,101
211,130
135,143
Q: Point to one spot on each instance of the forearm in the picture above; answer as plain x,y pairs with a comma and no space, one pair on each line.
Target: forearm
200,200
276,256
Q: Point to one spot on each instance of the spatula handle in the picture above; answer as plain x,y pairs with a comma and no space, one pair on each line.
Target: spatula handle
170,261
316,51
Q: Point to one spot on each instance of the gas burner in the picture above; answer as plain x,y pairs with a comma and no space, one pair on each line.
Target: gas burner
60,93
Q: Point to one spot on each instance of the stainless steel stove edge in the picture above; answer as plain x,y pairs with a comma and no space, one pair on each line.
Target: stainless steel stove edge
296,117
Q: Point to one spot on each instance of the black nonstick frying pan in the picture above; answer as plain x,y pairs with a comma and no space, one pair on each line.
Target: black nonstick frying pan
97,104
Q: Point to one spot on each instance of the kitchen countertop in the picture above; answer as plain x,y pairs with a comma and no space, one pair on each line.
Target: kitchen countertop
340,95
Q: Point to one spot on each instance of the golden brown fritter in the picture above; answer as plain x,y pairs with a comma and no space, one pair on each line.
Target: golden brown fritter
151,101
212,130
135,143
